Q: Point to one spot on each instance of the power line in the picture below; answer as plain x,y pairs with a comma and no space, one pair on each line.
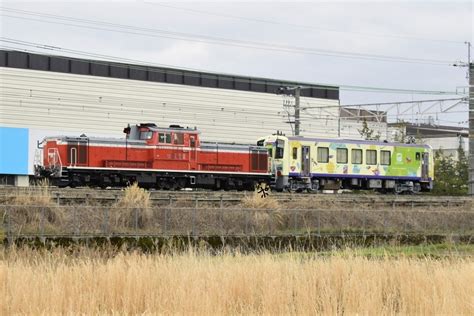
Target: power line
302,26
121,28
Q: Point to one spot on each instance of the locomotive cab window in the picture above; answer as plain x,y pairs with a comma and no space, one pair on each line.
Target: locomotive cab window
356,157
146,135
341,155
371,157
385,157
323,154
164,138
178,139
417,156
295,152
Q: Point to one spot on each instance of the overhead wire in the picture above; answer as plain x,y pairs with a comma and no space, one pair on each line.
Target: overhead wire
153,32
302,26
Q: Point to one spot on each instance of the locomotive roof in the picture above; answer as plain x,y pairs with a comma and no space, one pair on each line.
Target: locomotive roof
355,141
172,128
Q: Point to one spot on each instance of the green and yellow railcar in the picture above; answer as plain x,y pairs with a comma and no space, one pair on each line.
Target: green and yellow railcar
300,163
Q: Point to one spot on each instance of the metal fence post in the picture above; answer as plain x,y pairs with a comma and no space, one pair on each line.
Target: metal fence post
42,222
319,222
364,222
9,231
384,222
194,216
57,198
135,211
105,226
165,224
74,221
295,221
221,201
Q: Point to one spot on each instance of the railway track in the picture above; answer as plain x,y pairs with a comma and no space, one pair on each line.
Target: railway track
87,195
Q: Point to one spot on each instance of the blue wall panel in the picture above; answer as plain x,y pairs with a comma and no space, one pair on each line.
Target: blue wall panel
13,150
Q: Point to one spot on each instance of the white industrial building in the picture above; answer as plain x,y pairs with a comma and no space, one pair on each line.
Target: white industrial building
44,95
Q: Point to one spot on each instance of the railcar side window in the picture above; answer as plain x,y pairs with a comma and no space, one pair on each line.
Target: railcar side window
356,157
385,157
295,152
371,157
145,135
178,139
323,154
341,155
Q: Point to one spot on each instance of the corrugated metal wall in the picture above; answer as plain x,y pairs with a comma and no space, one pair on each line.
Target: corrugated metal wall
92,104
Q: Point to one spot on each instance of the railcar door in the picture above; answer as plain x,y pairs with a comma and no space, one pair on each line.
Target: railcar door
305,161
425,165
77,152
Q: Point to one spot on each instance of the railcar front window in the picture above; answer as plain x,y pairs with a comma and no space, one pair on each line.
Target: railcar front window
279,150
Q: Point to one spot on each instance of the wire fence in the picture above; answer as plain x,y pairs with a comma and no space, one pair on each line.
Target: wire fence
98,221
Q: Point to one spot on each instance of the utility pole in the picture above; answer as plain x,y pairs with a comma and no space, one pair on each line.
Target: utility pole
297,110
470,79
296,91
471,128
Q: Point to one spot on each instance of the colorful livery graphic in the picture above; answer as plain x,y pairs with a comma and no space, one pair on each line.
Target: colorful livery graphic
300,163
154,157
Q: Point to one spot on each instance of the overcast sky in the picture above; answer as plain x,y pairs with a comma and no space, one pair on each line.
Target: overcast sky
424,30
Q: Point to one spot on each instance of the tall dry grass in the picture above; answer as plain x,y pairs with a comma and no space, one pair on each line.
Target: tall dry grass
200,284
134,208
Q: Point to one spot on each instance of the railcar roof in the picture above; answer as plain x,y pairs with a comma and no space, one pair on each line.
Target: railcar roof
355,141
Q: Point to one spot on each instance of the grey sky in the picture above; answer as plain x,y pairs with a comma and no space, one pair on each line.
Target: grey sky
415,29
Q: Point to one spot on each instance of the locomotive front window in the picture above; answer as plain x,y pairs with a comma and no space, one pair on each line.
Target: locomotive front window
168,138
146,135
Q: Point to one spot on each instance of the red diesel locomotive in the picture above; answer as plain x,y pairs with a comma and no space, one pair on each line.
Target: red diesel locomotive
154,157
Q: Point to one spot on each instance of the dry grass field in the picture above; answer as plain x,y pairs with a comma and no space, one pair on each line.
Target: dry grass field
198,283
